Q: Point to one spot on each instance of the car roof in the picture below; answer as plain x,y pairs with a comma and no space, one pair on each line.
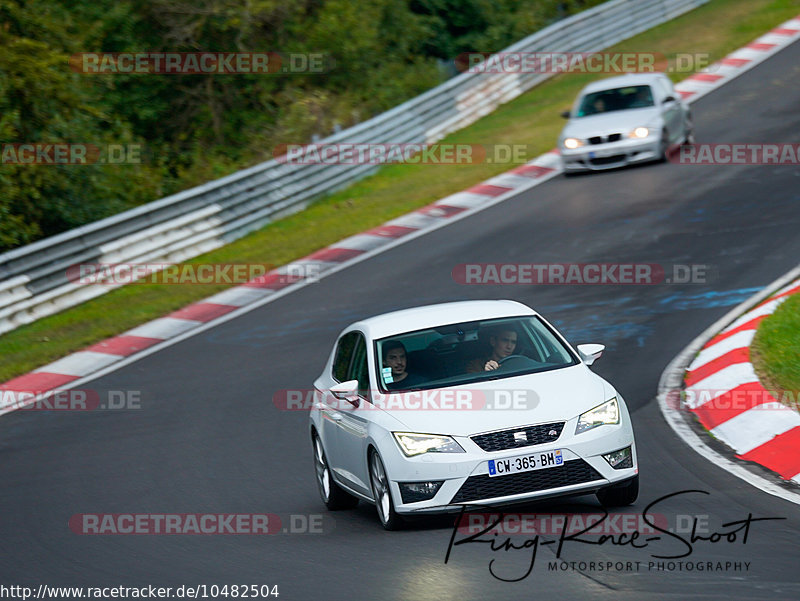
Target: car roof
621,81
419,318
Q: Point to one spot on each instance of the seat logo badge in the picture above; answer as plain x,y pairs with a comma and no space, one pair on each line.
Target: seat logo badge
520,437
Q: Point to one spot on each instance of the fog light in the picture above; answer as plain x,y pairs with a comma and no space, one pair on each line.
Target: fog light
620,459
414,492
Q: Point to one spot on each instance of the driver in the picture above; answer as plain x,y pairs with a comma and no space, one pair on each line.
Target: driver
395,358
503,342
599,105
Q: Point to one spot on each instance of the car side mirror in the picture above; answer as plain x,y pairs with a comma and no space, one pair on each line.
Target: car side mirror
347,391
590,352
565,114
669,99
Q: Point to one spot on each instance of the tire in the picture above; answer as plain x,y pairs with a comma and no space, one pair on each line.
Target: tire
334,496
689,138
620,495
379,481
663,147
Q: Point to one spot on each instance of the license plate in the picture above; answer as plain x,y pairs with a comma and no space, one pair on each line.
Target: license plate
525,463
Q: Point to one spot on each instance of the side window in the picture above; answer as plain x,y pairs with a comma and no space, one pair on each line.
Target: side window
553,354
359,369
538,347
661,90
344,353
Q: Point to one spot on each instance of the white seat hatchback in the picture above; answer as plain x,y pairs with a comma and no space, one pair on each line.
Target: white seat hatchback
467,403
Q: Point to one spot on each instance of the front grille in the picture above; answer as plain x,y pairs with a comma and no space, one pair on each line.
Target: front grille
604,139
477,488
504,439
607,160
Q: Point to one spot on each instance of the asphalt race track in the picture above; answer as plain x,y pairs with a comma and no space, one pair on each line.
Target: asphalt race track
208,438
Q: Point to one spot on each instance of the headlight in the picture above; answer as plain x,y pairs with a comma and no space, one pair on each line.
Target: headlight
607,413
572,143
416,444
639,132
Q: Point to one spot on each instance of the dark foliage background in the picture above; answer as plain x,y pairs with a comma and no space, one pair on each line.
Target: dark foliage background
195,128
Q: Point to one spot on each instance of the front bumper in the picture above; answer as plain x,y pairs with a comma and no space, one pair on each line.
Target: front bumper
467,481
598,157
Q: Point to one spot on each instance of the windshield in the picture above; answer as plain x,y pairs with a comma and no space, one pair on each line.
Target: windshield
618,99
470,352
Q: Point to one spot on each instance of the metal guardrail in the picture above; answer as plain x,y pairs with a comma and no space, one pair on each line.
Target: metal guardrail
33,278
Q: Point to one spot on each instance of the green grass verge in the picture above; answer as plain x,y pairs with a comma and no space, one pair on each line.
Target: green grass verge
531,119
775,351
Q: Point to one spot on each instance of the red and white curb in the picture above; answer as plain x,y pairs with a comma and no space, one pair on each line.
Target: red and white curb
120,350
741,60
724,393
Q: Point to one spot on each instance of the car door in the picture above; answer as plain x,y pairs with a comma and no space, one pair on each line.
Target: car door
671,110
330,406
352,422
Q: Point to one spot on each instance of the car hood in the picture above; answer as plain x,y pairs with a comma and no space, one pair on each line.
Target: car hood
556,395
609,123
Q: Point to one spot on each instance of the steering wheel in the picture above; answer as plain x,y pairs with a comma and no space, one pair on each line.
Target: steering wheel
522,360
504,359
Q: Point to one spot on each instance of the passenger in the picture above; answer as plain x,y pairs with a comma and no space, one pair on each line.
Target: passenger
503,343
395,357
